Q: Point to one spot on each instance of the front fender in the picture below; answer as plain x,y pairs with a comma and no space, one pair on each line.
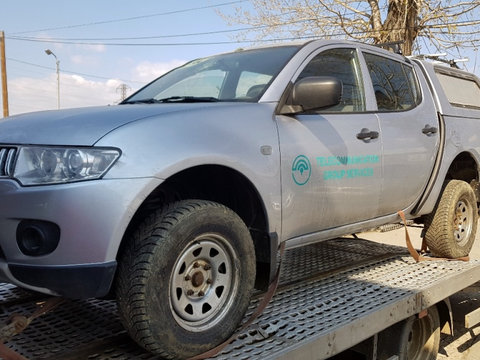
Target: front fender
242,137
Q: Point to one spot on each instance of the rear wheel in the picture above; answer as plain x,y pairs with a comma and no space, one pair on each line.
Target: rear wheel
412,339
422,337
186,277
451,228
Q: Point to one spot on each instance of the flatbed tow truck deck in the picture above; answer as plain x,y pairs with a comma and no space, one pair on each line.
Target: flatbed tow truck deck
332,296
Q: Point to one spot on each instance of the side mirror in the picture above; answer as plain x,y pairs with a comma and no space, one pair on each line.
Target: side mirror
313,93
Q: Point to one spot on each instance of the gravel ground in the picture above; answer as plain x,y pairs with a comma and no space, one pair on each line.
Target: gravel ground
465,344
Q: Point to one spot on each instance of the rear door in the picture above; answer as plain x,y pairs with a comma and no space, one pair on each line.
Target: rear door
410,130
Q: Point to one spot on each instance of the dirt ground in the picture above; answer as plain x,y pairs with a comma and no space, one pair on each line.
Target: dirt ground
465,344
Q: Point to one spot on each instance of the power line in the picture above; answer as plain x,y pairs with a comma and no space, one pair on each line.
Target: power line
95,41
73,72
132,18
136,44
139,37
214,32
253,41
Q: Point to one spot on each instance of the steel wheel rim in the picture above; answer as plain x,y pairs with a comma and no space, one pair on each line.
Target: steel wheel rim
421,340
203,283
463,222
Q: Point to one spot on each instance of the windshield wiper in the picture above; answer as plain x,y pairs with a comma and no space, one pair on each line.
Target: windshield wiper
174,99
188,99
142,101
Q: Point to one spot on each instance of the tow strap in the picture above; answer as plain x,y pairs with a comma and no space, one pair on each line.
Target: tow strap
260,307
17,323
414,253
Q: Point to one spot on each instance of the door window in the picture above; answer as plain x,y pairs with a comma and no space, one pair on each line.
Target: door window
343,65
394,83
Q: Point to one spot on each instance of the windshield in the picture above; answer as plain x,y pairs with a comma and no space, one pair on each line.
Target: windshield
237,76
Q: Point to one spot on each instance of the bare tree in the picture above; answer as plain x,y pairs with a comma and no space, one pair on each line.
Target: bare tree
440,24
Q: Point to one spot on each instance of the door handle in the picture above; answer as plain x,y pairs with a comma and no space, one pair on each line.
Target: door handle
367,135
429,130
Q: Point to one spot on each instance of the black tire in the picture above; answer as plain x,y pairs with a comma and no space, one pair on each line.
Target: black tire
185,278
412,339
451,228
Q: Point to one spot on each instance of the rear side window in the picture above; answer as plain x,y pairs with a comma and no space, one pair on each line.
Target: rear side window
394,83
462,92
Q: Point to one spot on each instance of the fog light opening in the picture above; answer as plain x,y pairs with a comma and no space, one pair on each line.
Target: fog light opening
32,239
36,237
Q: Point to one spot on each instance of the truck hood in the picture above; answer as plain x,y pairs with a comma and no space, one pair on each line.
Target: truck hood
83,126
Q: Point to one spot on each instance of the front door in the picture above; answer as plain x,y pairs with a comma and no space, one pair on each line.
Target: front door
331,159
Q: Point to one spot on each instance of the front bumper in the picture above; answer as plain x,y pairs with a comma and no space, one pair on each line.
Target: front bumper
92,217
75,282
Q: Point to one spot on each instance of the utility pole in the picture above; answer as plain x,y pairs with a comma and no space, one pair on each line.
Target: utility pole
3,61
122,89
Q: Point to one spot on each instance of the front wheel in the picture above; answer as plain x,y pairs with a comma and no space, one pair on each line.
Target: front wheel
451,228
185,278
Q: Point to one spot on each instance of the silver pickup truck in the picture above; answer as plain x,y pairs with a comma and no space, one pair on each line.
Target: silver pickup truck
176,200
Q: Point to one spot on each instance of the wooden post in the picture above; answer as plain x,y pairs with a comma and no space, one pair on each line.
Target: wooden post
3,63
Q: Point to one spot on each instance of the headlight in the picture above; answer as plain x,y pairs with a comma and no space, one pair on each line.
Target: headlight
53,165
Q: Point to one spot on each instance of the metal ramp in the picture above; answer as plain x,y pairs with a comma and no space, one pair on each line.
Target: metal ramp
332,295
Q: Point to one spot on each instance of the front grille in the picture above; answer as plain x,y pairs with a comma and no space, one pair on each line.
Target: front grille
7,161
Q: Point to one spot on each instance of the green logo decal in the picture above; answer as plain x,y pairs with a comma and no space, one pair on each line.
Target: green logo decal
301,170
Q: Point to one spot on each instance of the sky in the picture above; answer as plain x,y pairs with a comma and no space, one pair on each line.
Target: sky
100,47
92,73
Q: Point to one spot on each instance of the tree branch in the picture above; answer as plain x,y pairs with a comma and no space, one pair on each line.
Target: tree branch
440,22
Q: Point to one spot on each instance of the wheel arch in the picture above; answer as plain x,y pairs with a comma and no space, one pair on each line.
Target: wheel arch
465,167
223,185
446,316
